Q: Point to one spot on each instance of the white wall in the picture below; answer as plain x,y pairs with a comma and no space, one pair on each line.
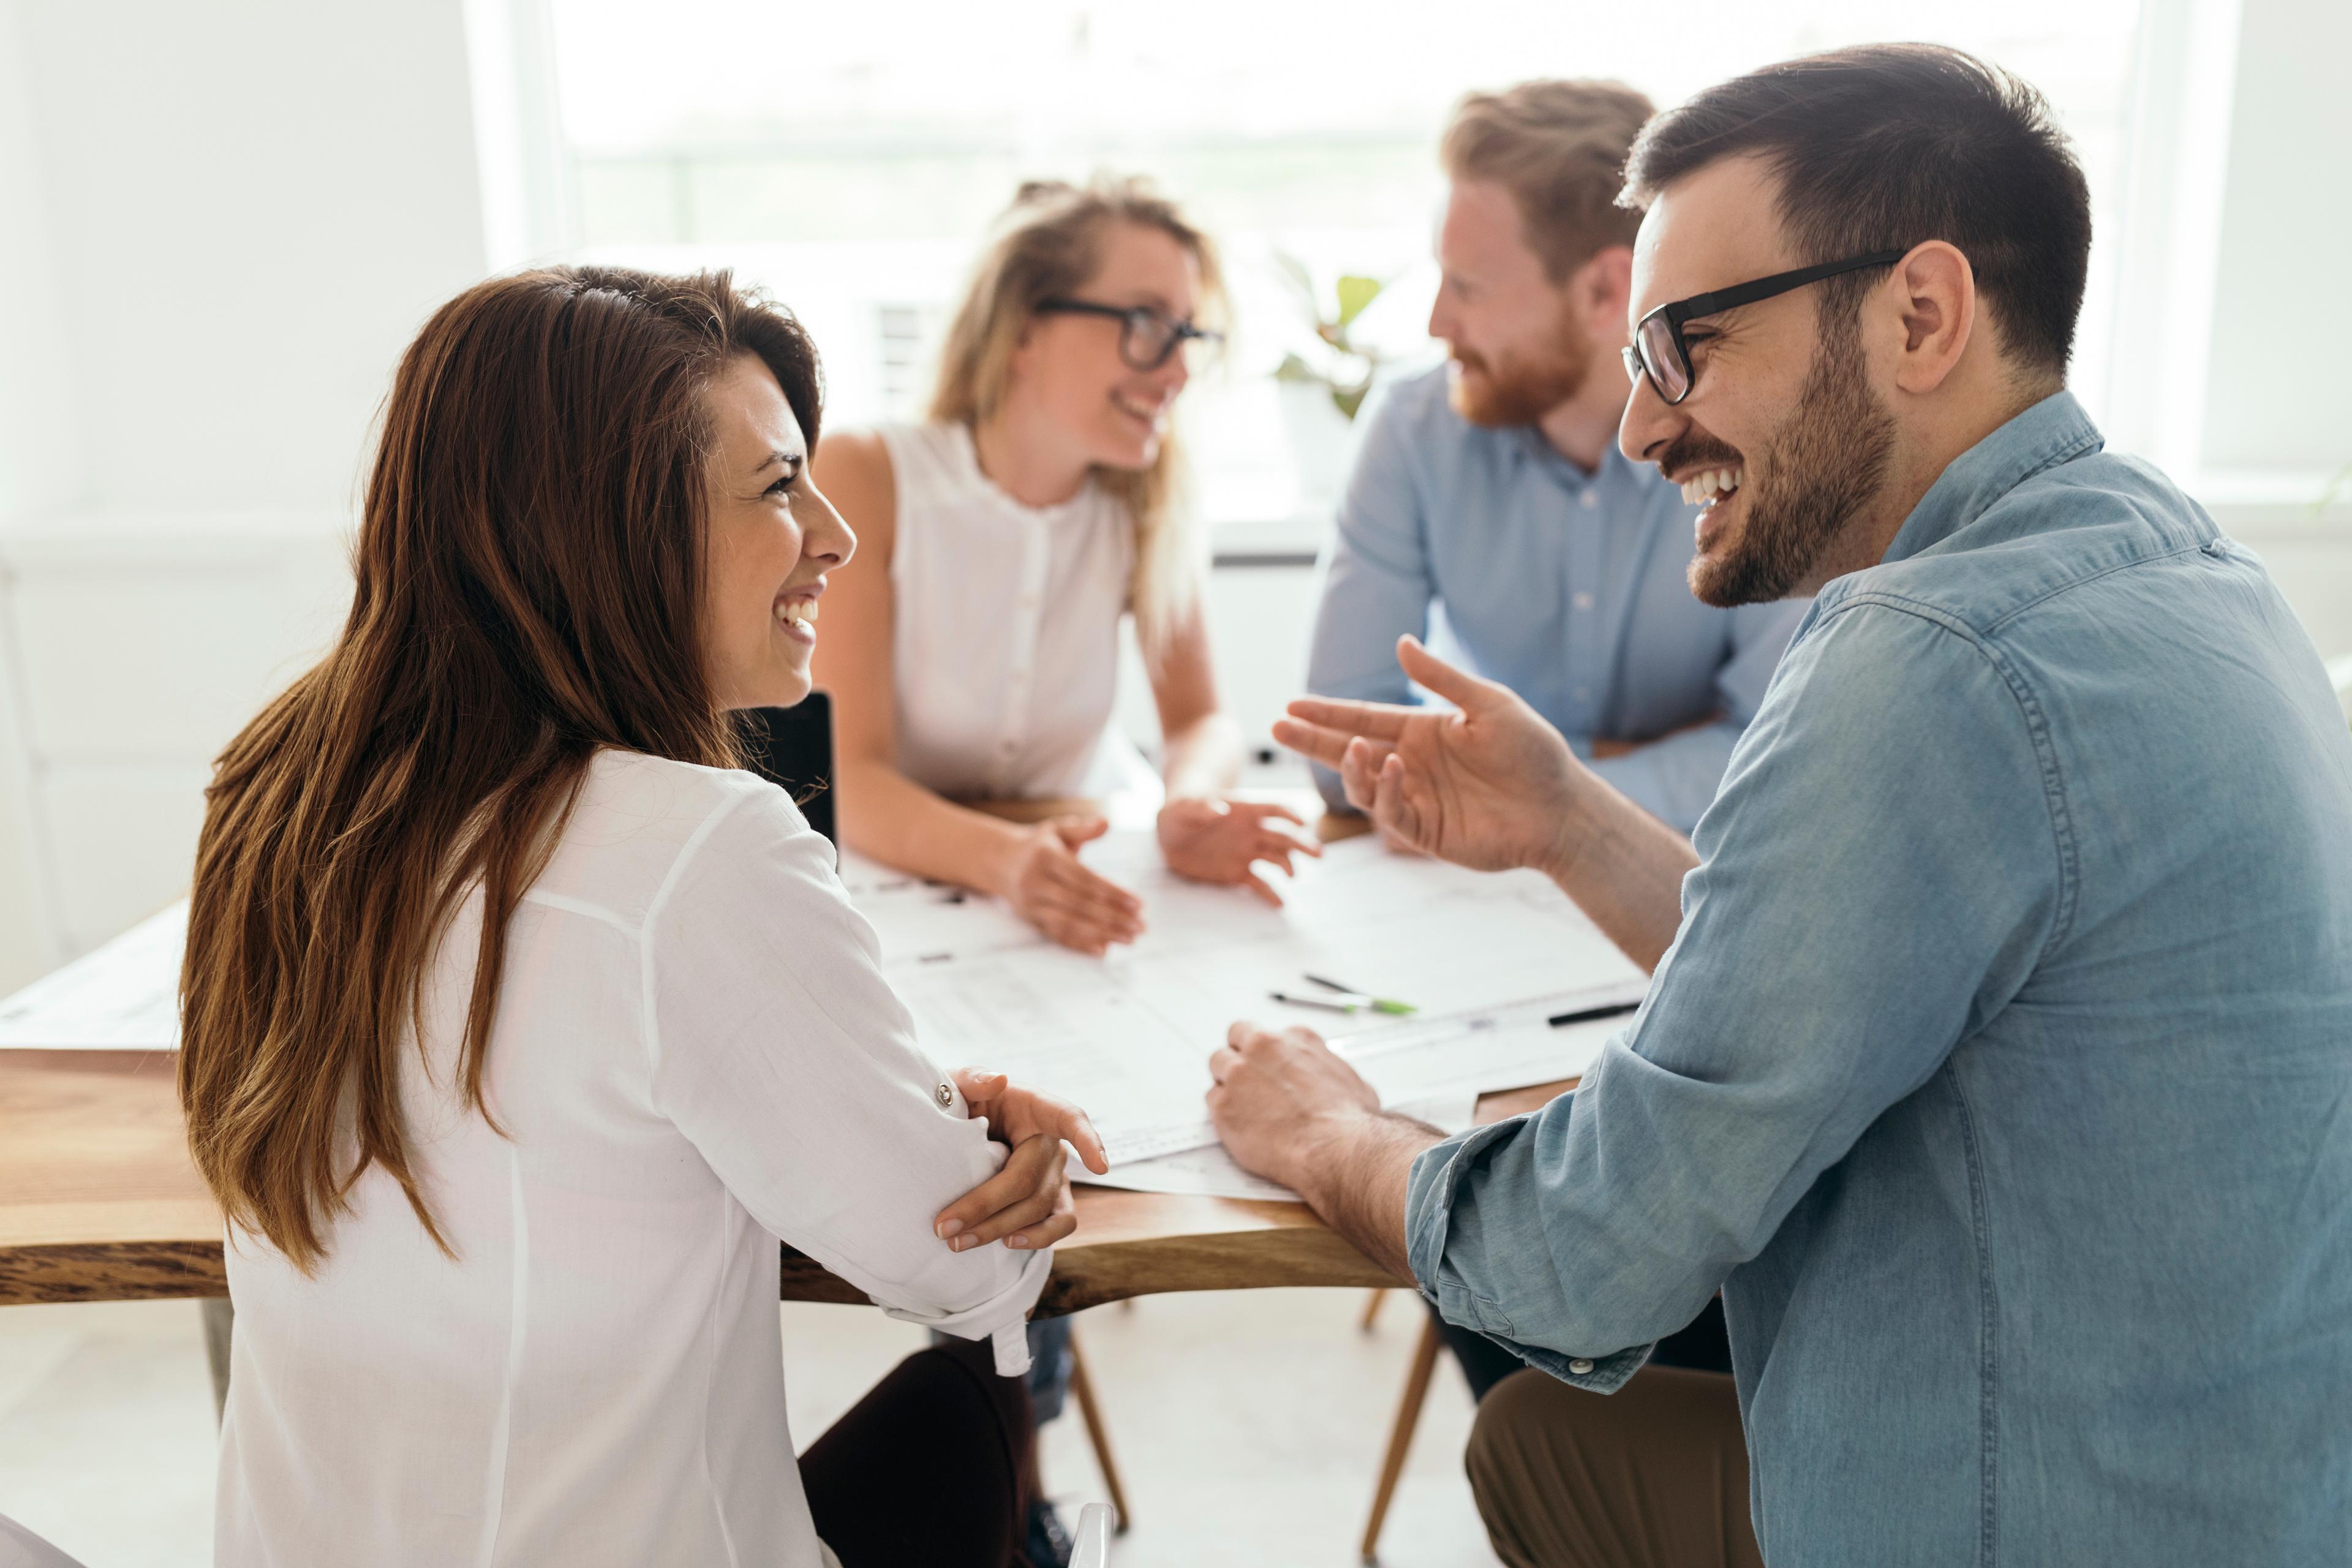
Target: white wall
41,466
230,217
2280,400
255,202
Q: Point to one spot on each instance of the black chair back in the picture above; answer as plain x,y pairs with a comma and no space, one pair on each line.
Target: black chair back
793,747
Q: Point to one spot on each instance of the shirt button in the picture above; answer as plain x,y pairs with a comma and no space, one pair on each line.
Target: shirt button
1581,601
1578,1366
1588,500
946,1095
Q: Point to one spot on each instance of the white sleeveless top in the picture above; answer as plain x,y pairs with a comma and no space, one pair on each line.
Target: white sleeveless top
1007,628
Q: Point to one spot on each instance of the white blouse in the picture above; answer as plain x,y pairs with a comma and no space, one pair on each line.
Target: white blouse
694,1054
1007,622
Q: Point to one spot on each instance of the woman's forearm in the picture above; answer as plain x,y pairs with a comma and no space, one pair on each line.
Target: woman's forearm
889,818
1203,758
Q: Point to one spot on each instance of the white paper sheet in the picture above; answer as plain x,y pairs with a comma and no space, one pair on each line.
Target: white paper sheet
1486,959
124,996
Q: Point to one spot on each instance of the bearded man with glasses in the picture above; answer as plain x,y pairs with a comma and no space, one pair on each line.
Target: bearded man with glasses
1995,1060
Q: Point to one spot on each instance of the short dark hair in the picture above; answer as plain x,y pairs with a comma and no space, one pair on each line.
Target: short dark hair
1885,146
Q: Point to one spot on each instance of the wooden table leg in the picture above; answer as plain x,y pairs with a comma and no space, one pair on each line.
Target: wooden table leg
1408,1416
1083,1387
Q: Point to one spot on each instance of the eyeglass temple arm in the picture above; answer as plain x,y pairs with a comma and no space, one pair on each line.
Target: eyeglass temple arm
1731,298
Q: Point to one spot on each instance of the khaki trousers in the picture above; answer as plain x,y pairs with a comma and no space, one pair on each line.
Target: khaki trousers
1653,1476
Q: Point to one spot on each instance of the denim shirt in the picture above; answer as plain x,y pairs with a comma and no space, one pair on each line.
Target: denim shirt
1569,588
2000,1071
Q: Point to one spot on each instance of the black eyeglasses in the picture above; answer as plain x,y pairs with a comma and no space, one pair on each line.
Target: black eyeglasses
1147,337
1658,351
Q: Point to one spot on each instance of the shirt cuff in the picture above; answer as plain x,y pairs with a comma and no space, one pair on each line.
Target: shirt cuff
1003,1320
1430,1192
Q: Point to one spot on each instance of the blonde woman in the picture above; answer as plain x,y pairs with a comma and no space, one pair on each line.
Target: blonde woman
973,654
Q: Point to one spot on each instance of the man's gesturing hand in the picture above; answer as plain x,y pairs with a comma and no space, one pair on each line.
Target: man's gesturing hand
1276,1095
1491,786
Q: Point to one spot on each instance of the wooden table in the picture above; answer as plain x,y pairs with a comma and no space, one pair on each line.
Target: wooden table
100,1203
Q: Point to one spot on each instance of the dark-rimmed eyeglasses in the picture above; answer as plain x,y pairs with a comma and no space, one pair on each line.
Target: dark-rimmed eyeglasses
1658,351
1147,337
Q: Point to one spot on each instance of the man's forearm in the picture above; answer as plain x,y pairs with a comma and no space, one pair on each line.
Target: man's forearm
1355,1180
1623,867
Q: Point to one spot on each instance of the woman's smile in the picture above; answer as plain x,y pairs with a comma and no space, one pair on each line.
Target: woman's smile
796,612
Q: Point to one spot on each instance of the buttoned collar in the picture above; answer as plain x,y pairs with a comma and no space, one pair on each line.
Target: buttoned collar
1529,446
2054,430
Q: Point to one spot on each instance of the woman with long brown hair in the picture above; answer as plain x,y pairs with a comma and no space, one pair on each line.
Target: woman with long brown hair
517,1023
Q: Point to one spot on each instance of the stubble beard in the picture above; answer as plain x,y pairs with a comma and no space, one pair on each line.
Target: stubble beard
1822,468
1521,391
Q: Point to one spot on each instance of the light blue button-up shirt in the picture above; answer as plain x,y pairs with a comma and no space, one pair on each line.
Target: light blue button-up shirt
1568,587
2001,1073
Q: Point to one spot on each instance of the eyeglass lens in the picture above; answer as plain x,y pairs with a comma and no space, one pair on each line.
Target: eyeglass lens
1662,360
1150,338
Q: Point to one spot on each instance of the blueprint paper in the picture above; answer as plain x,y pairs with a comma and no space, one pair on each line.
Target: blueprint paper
1487,960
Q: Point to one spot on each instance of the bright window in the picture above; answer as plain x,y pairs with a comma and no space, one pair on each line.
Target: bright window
849,156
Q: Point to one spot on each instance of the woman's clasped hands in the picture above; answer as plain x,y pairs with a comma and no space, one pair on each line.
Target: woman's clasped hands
1027,1204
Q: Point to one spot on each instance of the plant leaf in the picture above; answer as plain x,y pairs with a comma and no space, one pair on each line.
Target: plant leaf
1356,291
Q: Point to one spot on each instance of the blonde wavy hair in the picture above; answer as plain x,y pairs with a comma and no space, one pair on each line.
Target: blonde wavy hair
1048,243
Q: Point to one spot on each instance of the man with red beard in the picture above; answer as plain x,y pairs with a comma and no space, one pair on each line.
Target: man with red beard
1489,494
1996,1061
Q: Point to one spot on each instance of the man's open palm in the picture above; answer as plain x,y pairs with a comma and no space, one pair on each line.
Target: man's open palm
1487,786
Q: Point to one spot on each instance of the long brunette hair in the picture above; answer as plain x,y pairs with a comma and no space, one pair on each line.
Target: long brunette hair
529,571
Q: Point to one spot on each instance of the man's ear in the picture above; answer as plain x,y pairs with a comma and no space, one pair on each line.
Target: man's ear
1935,290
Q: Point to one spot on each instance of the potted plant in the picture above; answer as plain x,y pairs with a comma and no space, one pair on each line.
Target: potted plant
1322,388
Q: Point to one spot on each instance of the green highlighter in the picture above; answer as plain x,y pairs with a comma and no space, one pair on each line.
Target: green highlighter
1356,998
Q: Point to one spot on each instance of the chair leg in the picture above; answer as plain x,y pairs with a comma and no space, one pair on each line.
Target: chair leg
1408,1416
219,1318
1372,1300
1083,1387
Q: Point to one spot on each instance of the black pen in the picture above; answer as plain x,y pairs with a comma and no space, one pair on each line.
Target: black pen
1587,1014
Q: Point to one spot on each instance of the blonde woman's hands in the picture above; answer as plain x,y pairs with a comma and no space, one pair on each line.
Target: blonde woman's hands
1028,1204
1222,841
1049,887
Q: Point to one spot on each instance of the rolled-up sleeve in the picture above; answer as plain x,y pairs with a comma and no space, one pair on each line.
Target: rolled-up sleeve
1376,580
780,1051
1883,868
